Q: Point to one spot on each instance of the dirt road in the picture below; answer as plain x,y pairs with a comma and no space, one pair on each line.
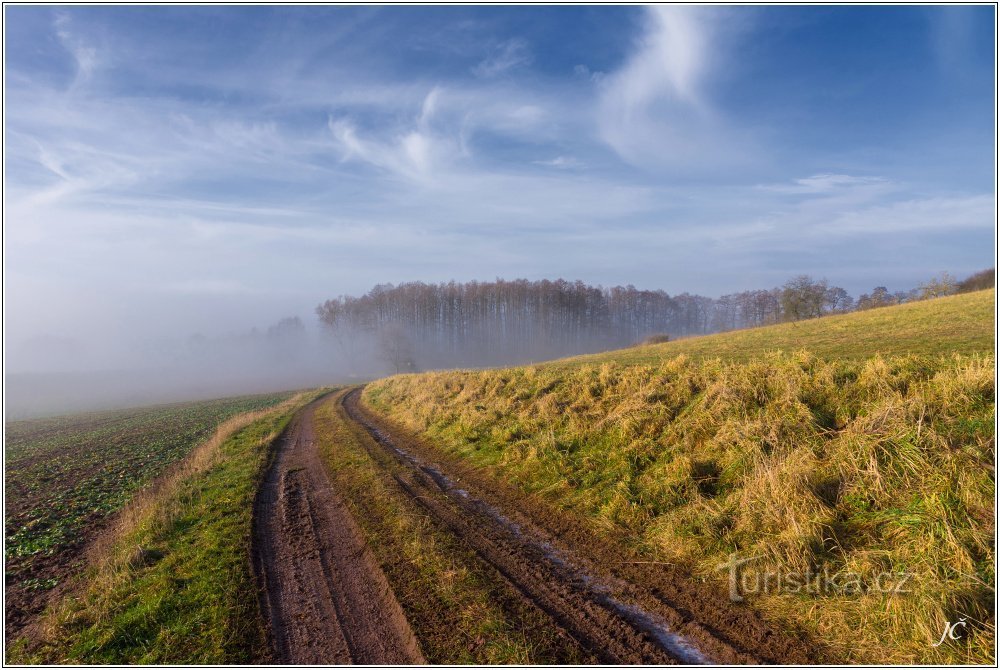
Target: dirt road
323,596
326,600
615,620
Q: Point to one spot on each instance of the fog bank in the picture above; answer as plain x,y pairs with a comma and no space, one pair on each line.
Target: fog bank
59,375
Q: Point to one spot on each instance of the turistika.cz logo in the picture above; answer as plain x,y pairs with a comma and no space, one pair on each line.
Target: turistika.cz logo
744,581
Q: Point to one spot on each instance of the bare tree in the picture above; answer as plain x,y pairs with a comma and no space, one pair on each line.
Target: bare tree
802,297
978,281
838,301
942,285
879,297
507,322
396,350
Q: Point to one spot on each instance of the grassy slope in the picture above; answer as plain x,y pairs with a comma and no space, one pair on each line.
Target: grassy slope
835,459
189,598
959,323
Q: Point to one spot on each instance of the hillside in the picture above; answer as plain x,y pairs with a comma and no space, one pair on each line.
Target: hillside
955,324
859,446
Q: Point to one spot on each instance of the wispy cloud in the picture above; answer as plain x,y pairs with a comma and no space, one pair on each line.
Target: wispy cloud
670,62
939,214
85,55
507,55
952,36
336,151
826,183
413,151
655,111
561,162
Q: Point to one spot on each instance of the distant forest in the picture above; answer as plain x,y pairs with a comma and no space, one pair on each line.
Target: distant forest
417,325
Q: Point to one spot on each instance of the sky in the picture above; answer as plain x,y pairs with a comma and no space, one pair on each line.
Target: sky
195,169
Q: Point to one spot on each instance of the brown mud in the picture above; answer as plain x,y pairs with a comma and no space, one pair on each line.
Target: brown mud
25,576
322,594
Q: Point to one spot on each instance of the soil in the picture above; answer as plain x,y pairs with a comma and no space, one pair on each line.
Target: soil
24,603
620,610
26,578
323,596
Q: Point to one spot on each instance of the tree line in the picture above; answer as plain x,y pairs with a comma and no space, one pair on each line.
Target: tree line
423,325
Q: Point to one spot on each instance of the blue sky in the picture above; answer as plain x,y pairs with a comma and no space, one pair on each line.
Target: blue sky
181,169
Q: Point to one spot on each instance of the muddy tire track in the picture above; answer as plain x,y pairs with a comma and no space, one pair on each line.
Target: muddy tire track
599,614
323,596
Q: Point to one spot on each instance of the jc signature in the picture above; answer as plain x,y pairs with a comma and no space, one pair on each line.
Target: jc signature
951,631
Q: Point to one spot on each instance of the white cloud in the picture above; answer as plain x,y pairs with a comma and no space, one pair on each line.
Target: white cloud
72,169
428,142
819,184
561,162
655,111
941,214
585,72
952,35
866,219
85,56
506,56
671,60
412,151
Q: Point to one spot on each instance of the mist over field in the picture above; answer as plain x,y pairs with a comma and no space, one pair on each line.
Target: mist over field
497,335
417,326
179,177
198,368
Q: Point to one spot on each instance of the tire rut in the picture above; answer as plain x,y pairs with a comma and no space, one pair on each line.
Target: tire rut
322,594
598,614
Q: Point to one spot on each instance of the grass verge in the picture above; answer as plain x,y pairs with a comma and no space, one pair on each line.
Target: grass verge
458,606
808,466
171,581
66,476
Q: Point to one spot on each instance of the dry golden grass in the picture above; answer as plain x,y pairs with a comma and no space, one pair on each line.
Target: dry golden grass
880,465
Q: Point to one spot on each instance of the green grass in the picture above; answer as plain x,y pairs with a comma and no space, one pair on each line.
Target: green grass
65,475
955,324
834,458
193,599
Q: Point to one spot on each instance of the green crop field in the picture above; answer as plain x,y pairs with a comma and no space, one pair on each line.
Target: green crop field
191,599
857,445
65,476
